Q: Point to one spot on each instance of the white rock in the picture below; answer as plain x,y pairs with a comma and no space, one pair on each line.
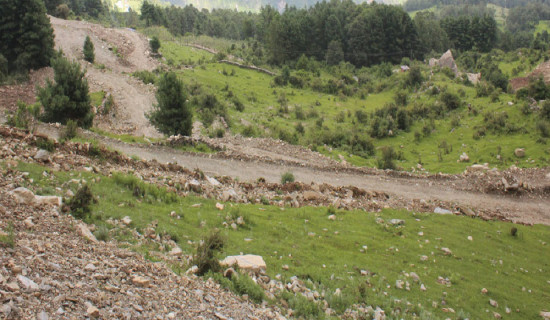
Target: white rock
176,251
332,217
470,238
519,152
27,283
545,315
126,220
83,230
422,287
23,195
247,262
42,316
464,157
219,206
90,267
192,270
446,251
442,211
48,200
213,181
397,222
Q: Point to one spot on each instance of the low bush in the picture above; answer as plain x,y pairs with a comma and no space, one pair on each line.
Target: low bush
287,177
80,204
387,159
205,257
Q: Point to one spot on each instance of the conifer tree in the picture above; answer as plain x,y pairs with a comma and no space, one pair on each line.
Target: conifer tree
172,114
89,50
67,98
26,35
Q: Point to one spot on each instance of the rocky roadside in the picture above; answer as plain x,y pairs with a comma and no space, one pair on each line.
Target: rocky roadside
56,269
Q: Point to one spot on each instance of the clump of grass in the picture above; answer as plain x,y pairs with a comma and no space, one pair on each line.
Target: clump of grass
241,284
81,202
302,306
205,256
514,231
102,233
287,177
8,240
388,156
148,192
71,131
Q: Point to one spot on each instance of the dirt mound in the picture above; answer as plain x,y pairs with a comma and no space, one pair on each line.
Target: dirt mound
542,70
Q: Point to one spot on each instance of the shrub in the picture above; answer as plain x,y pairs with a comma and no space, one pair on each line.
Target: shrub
62,11
80,203
146,76
545,110
68,98
300,128
172,115
244,285
102,233
155,44
544,128
25,116
414,77
88,50
249,131
450,100
71,130
287,177
239,106
205,257
388,156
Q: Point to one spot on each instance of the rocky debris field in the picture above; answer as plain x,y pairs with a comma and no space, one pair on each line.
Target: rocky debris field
56,269
18,145
25,91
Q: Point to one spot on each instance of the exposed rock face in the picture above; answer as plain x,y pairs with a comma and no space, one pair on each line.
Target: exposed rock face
446,61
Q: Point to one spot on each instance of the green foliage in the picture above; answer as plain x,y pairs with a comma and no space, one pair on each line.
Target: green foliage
25,116
146,77
88,50
240,284
3,68
62,11
71,130
141,190
155,44
80,203
8,240
287,177
387,159
172,114
26,36
205,256
301,306
450,100
414,77
67,98
545,110
543,126
102,233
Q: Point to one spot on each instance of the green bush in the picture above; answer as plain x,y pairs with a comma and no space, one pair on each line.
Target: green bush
155,44
205,257
545,110
145,76
70,132
25,116
287,177
102,233
543,127
388,156
88,50
172,115
8,240
68,97
80,203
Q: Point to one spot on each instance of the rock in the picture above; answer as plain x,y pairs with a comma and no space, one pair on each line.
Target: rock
90,267
332,217
12,286
23,195
27,283
545,315
414,276
92,311
42,155
484,291
213,181
42,316
519,152
399,284
229,273
423,258
312,196
141,281
479,167
442,211
240,221
470,238
229,195
220,316
192,270
28,223
219,206
464,157
83,230
497,315
126,220
48,200
422,287
447,251
397,222
493,303
246,262
176,251
285,267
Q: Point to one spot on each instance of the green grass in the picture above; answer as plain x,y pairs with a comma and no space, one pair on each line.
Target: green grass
181,54
97,98
513,269
543,25
125,137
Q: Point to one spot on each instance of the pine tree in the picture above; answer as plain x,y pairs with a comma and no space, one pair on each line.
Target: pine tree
155,44
67,98
26,35
89,50
171,115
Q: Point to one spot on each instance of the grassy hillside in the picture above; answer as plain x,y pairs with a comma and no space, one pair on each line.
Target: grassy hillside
329,255
433,142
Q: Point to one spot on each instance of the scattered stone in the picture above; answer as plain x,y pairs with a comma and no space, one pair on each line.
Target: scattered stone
12,286
285,267
442,211
90,267
493,303
42,155
126,220
497,315
27,283
28,223
470,238
23,195
83,230
397,222
446,251
464,157
484,291
414,276
311,196
519,152
422,287
545,315
213,181
176,251
423,258
42,316
332,217
141,281
92,311
229,273
219,206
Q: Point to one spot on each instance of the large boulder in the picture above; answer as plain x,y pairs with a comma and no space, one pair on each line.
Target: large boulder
246,262
26,196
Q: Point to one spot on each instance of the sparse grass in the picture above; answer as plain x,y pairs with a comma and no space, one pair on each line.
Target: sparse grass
96,98
7,239
280,235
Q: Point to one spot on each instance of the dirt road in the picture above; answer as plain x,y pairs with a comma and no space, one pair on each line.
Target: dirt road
118,52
